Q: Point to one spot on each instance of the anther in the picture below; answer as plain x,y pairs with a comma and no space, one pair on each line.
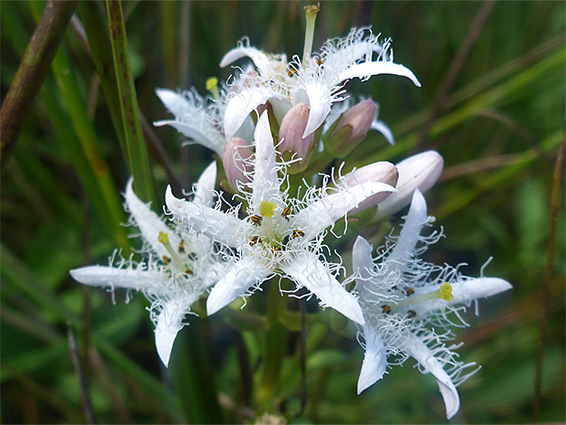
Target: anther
254,240
256,219
409,292
286,213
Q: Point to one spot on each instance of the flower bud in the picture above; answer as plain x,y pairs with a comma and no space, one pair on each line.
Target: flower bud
237,162
292,144
350,129
381,172
419,171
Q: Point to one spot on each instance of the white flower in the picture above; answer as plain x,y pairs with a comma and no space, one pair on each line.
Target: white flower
280,236
317,82
403,298
196,117
178,266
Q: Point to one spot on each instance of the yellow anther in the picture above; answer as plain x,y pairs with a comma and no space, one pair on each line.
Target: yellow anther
446,292
163,238
267,208
212,87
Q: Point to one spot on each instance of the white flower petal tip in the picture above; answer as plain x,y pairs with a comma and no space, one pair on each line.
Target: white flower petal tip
451,398
375,360
168,97
164,339
204,193
484,287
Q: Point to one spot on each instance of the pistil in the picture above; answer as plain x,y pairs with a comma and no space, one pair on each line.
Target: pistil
212,87
163,238
266,209
310,12
444,292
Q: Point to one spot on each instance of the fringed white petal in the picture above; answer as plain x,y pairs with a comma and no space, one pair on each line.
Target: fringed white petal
367,69
112,277
174,102
215,144
375,359
323,213
429,364
204,193
266,65
306,270
463,291
192,119
149,223
237,280
414,222
218,226
169,322
362,264
241,105
320,102
381,127
266,182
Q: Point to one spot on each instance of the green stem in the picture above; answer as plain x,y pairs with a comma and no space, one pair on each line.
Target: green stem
137,153
32,72
275,339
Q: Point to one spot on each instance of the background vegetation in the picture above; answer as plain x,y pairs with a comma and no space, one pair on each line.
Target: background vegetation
492,103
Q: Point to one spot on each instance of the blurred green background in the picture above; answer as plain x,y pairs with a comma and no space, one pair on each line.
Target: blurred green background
492,103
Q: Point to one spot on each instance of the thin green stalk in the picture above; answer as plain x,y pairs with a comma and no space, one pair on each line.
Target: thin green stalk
84,129
555,196
137,152
59,118
274,349
96,30
32,72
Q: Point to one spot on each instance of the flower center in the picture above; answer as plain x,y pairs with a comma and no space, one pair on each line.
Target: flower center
163,238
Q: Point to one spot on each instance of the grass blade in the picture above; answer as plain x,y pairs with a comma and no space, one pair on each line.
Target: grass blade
32,72
137,152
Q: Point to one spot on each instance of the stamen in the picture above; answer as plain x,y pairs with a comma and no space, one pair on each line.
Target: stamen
212,87
163,238
310,12
286,213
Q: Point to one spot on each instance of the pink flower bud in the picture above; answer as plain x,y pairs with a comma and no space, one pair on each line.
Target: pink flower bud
381,172
350,129
236,160
292,144
419,171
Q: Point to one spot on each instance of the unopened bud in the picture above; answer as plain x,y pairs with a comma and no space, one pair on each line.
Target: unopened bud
350,129
379,172
292,144
419,171
237,162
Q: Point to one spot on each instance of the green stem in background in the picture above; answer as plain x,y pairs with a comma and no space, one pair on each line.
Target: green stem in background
94,22
193,375
137,153
32,72
84,128
275,345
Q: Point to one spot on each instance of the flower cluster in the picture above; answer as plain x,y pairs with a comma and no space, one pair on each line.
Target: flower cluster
273,126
